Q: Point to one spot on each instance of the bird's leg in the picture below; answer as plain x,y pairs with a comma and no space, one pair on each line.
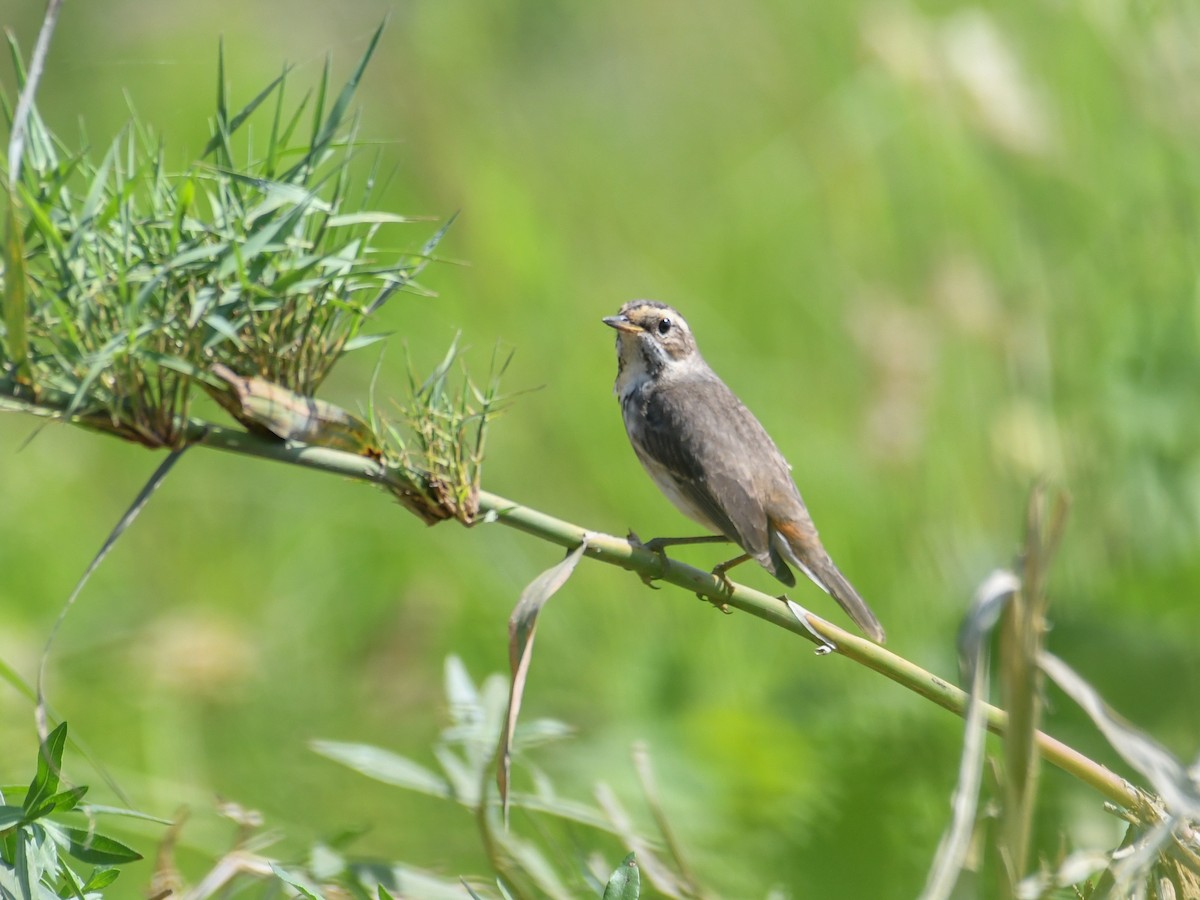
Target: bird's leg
719,571
657,544
719,574
637,544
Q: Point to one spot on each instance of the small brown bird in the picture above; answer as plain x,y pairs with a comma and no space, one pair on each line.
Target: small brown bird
708,453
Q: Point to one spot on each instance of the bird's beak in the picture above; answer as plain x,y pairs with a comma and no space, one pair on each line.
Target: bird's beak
621,323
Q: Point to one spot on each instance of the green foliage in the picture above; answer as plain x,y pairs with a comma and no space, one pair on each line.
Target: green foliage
126,281
626,883
38,843
466,753
440,436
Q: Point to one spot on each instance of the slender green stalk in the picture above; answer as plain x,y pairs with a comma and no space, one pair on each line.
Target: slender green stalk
648,564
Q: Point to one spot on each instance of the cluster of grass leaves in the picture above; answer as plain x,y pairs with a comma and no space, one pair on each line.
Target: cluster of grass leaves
125,281
437,437
127,285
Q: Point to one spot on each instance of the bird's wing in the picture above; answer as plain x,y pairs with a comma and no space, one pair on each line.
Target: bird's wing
718,450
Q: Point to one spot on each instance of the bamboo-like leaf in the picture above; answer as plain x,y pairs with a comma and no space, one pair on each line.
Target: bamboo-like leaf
73,886
221,137
521,628
297,881
63,801
29,874
991,598
1022,626
337,112
99,880
645,773
267,235
369,218
40,221
49,768
139,502
96,848
385,766
656,871
95,196
238,120
25,111
424,256
17,340
567,810
626,882
461,694
1166,774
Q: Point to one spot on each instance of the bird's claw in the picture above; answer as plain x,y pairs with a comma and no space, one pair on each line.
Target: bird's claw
721,575
719,604
654,547
726,585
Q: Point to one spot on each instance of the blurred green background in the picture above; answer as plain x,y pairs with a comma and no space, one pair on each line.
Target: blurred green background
940,249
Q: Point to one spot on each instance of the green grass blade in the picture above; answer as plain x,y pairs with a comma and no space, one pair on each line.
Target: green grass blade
49,766
17,339
323,135
232,125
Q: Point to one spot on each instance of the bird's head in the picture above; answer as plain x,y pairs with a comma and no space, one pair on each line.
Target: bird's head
652,338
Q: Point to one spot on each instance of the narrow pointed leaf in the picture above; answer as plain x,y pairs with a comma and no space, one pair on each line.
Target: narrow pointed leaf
10,815
63,801
28,874
301,884
990,600
100,879
338,111
1022,627
131,514
49,767
385,766
14,294
411,273
626,882
521,628
1166,774
94,197
98,849
236,122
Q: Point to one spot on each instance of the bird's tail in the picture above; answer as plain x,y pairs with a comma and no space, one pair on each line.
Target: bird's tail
801,547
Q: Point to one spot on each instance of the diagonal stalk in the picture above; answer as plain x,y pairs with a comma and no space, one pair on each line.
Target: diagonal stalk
620,552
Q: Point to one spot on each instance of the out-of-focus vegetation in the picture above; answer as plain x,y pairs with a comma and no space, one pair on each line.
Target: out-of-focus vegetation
940,250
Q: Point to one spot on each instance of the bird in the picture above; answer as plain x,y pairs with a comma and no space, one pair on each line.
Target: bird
713,459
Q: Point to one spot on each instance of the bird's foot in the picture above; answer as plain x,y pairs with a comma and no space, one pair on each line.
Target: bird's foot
719,604
721,574
654,546
726,586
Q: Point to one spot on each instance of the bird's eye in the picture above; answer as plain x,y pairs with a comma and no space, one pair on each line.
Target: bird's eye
664,325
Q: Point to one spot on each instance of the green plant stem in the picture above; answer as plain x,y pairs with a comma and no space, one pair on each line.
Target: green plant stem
619,551
651,565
